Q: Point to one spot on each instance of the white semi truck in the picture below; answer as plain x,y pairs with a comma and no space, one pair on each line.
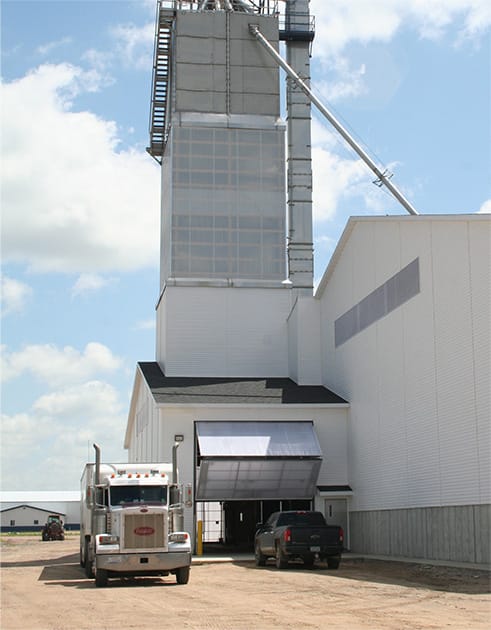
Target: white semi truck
131,521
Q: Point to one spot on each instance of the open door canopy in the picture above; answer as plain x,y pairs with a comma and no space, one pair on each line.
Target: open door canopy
257,460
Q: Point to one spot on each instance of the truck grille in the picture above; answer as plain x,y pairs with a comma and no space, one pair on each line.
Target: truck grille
145,531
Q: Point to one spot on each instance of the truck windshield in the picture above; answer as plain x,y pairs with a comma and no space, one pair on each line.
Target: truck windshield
122,495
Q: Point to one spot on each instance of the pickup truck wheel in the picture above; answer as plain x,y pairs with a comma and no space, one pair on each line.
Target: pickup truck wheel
259,557
308,561
333,563
182,575
280,558
101,578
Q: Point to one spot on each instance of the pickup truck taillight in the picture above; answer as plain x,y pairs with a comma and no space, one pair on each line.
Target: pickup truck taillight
341,535
287,535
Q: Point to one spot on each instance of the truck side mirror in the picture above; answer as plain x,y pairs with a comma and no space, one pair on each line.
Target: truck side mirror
89,497
188,495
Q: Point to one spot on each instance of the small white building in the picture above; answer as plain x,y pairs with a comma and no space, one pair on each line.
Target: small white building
24,510
369,400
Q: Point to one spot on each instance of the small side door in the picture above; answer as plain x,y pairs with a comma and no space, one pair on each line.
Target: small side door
336,513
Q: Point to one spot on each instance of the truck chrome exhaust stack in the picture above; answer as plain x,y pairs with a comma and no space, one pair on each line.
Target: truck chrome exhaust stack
97,476
175,506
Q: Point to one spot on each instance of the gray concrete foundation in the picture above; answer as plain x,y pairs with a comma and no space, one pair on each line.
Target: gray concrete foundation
454,533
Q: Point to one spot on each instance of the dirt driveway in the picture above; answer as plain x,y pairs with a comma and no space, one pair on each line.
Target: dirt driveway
43,587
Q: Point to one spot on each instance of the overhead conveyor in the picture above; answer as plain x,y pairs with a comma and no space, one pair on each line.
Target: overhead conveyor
383,178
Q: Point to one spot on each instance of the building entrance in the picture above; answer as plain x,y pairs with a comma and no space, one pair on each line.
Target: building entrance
231,525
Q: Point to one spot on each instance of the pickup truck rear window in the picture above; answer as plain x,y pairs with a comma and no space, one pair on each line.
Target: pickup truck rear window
312,519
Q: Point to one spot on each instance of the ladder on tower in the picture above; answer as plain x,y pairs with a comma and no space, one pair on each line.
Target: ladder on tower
160,81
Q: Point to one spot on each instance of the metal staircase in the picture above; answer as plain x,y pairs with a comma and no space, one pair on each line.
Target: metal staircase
160,81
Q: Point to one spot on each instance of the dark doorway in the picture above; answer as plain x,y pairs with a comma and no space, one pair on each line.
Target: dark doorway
240,522
241,518
235,522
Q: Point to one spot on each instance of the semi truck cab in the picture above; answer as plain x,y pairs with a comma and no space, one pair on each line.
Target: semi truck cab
131,522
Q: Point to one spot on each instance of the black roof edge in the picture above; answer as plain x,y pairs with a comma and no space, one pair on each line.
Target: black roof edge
32,507
334,489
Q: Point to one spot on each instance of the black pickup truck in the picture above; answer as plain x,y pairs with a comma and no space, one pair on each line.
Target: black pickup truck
301,534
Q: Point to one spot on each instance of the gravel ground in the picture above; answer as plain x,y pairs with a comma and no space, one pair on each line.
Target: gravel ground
43,587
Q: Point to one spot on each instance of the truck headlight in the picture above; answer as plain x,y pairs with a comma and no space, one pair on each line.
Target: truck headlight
179,537
108,539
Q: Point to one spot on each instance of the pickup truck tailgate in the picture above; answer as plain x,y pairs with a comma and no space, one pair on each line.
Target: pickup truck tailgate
314,537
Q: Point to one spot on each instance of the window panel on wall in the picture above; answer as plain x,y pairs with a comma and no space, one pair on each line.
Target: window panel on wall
197,266
230,176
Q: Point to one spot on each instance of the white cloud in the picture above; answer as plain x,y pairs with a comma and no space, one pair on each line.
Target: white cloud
14,295
486,207
339,22
333,178
348,82
76,404
147,324
71,201
59,367
88,282
133,48
50,46
47,446
135,44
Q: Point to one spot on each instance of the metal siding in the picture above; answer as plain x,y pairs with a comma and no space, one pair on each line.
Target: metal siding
309,351
247,325
454,364
331,430
201,56
25,515
449,533
480,281
415,402
482,527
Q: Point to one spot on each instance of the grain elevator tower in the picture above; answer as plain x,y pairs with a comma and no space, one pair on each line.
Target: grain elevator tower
233,258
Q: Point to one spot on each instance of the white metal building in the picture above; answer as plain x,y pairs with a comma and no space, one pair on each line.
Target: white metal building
369,400
23,510
405,318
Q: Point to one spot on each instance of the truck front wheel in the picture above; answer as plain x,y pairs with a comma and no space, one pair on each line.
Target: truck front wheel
182,575
88,560
101,577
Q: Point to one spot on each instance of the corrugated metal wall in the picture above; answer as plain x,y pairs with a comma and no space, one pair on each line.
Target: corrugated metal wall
418,385
454,533
418,378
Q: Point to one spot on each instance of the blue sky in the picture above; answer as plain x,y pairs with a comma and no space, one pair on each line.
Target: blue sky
80,196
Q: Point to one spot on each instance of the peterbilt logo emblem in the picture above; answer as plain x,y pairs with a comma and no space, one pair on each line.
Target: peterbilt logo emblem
144,531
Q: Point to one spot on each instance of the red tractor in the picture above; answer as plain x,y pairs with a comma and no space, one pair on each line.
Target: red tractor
53,529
